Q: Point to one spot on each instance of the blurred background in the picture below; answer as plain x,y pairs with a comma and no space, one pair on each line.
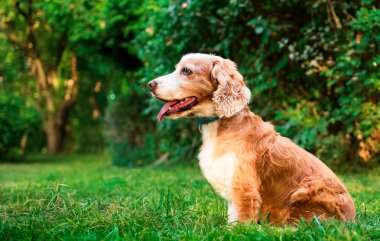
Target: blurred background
73,74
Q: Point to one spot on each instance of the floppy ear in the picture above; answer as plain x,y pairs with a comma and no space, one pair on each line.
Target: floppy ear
231,94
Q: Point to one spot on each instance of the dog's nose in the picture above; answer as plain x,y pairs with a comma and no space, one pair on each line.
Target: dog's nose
152,85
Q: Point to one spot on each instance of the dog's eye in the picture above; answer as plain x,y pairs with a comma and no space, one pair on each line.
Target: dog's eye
185,71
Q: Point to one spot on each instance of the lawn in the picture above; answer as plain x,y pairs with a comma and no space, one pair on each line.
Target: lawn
83,197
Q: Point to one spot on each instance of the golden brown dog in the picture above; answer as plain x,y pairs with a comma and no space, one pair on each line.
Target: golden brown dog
260,173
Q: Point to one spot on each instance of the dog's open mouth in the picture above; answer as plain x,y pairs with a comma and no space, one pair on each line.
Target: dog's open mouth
176,106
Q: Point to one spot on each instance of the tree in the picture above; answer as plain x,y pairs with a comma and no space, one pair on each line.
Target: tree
59,40
44,47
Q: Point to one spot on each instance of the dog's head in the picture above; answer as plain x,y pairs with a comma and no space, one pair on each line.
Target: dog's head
201,85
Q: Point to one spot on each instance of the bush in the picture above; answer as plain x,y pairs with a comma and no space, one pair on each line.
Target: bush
16,123
312,66
129,132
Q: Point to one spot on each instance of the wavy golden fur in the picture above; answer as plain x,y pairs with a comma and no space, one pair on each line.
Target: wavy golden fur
273,178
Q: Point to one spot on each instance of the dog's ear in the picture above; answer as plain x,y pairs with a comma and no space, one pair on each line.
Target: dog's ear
231,94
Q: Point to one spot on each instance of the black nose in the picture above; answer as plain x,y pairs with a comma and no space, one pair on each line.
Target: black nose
152,85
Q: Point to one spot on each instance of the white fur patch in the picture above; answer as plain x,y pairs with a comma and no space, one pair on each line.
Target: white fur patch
232,213
169,85
219,172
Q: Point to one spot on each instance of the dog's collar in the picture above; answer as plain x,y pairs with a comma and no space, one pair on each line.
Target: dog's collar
205,120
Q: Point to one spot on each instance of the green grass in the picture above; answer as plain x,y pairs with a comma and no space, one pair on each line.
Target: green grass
85,198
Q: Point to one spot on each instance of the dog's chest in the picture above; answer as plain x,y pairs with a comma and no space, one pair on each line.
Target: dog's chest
218,171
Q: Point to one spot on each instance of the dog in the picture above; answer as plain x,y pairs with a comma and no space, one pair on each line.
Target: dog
261,174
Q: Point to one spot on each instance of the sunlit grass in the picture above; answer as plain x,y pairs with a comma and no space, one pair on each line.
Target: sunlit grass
83,197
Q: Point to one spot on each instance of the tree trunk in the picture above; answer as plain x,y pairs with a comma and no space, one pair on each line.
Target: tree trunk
46,105
53,138
55,130
55,122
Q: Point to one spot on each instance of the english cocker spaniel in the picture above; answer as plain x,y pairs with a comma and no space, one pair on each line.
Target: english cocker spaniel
261,174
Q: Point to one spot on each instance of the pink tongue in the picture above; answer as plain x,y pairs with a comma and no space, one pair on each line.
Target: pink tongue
165,109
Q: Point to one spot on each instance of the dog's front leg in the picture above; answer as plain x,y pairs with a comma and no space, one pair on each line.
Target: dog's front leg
246,197
232,213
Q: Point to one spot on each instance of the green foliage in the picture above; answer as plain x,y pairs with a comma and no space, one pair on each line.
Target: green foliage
15,121
17,92
128,132
313,68
82,197
97,32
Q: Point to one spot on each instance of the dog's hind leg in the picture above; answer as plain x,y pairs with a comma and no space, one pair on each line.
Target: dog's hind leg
320,197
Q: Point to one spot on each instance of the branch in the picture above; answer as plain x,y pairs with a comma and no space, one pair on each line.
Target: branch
8,27
28,44
29,33
71,90
30,11
38,70
348,16
22,12
12,38
61,48
335,17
